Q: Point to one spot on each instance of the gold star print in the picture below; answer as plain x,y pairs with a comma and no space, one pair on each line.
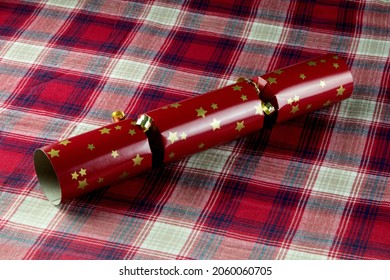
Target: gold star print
302,76
175,105
340,90
327,103
335,57
114,153
165,108
82,184
279,72
322,60
214,106
183,136
134,123
296,98
132,132
75,175
215,124
137,160
54,153
201,112
201,145
244,97
290,101
240,125
322,84
259,110
83,172
118,127
171,155
308,107
172,137
271,80
100,180
124,175
91,147
312,63
295,109
237,88
65,142
105,130
336,65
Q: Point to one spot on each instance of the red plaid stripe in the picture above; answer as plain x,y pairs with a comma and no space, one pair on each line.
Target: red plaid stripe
316,187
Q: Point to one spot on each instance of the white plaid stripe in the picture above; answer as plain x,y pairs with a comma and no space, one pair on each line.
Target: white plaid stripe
265,32
163,15
26,53
70,4
166,238
335,181
35,212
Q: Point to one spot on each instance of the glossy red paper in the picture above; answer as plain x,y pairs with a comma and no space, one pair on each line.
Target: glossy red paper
92,160
304,87
199,123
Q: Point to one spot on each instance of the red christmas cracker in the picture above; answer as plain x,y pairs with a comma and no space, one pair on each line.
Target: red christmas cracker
307,86
198,123
127,148
92,160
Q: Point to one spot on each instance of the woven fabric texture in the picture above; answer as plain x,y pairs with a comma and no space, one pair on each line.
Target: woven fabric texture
316,187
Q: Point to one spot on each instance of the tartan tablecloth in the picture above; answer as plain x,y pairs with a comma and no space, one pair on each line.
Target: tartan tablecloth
316,187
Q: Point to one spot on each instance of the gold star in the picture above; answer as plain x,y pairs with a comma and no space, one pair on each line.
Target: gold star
312,63
322,60
302,76
114,153
214,106
91,147
296,98
290,101
82,184
240,125
118,127
278,71
171,155
336,65
308,107
83,172
54,153
215,124
271,80
335,57
294,109
327,103
137,160
340,90
172,137
175,105
132,132
105,130
183,136
244,97
237,88
201,145
259,110
65,142
165,108
322,84
124,175
75,175
201,112
100,180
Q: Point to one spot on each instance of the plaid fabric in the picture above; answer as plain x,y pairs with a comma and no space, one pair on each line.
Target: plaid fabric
317,187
